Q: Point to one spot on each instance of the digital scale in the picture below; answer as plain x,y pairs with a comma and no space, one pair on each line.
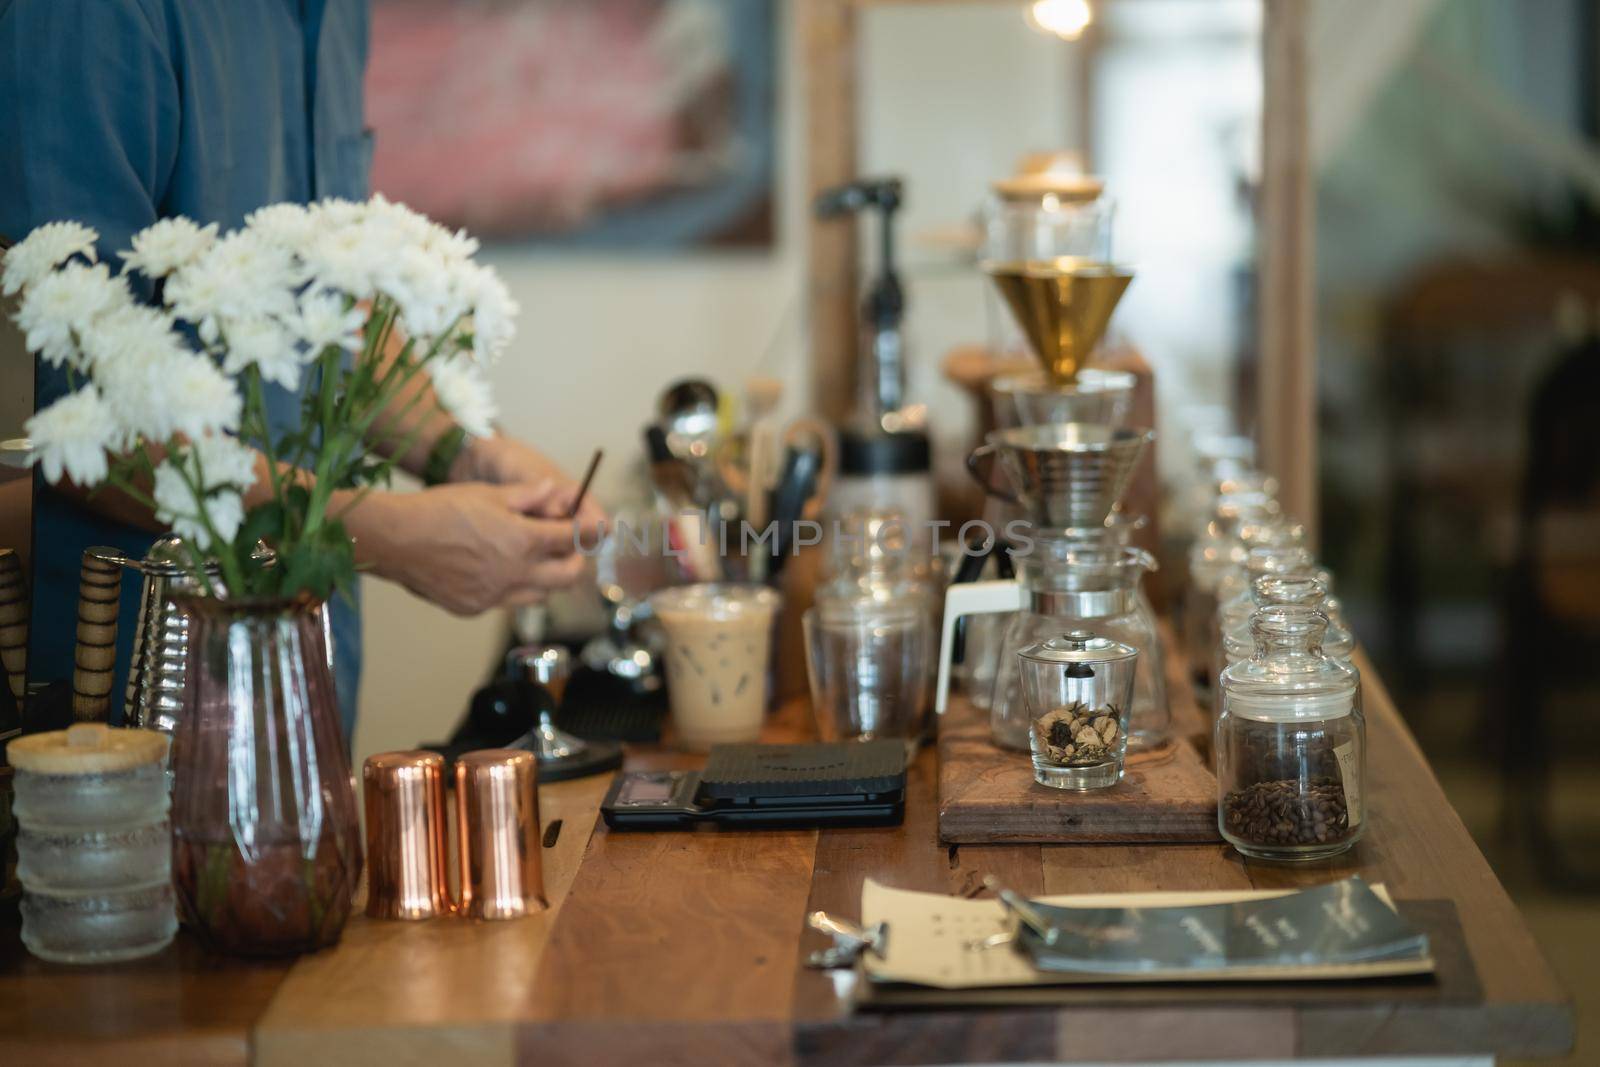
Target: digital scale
852,783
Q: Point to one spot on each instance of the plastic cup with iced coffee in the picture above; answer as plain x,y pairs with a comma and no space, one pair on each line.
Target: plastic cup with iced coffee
719,640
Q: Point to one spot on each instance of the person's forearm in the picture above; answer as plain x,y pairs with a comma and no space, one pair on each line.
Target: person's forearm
413,421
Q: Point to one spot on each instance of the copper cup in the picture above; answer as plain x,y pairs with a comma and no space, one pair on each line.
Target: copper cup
497,824
404,794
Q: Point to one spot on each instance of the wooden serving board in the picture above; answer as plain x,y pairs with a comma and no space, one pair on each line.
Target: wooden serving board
987,794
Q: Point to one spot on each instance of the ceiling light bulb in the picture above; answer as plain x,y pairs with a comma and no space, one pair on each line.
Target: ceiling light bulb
1067,19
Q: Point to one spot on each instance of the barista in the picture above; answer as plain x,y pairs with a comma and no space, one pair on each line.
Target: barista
121,112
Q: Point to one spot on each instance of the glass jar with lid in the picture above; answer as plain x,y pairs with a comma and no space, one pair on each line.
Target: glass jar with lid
1078,690
1214,554
1290,744
1269,590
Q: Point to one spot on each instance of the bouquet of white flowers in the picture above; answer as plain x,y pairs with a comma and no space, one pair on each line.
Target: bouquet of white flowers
167,399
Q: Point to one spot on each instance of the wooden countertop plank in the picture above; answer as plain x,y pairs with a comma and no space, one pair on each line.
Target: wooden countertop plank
453,986
677,947
181,1005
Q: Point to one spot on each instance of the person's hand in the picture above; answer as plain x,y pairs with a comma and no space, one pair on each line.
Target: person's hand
469,547
504,460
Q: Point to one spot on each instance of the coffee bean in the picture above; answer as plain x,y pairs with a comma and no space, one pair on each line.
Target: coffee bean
1289,811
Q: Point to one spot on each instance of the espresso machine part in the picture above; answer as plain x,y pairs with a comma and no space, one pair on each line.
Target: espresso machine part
560,754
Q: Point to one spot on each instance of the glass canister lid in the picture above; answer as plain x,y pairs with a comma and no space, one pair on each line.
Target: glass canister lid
1078,647
87,748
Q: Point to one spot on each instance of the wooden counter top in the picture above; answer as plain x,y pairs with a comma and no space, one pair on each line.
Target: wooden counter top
687,948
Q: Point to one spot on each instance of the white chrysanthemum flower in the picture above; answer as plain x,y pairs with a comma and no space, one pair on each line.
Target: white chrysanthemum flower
164,246
263,343
66,302
126,333
71,437
465,394
326,321
242,276
419,282
287,225
219,468
201,399
335,211
219,459
42,251
494,312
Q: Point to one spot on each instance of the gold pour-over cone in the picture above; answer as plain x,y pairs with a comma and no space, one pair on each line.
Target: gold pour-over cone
1062,306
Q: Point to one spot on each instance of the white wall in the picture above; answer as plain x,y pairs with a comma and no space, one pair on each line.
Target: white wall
598,339
951,96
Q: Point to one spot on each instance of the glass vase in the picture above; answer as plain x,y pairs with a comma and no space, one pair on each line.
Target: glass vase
266,844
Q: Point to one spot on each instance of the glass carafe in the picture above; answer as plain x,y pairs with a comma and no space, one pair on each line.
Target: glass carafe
1290,744
1073,585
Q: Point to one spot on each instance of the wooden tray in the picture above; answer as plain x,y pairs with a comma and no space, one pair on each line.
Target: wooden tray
987,795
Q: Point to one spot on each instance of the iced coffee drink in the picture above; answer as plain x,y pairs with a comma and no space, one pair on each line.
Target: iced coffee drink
719,638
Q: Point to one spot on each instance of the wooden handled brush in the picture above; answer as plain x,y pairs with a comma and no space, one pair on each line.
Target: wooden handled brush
14,622
99,590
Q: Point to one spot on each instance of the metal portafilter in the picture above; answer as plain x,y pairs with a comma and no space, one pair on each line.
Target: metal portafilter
560,754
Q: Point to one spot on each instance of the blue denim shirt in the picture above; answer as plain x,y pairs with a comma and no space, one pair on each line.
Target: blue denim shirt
118,112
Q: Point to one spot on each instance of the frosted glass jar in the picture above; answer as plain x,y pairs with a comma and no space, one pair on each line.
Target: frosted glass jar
94,847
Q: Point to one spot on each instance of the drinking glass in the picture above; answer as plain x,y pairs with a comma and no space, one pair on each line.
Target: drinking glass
719,644
867,657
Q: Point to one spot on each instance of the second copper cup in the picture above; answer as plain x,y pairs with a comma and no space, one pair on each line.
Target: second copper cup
497,830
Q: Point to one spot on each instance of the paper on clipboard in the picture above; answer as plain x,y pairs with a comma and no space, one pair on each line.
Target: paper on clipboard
934,941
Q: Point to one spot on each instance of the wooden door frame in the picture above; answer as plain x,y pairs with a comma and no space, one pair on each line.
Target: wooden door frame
1286,374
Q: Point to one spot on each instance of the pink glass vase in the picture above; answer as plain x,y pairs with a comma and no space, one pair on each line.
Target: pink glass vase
266,844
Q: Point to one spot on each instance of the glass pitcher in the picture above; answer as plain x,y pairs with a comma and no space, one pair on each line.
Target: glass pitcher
1065,583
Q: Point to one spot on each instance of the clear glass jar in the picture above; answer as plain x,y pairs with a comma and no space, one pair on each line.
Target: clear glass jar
1077,688
1235,602
1270,590
1217,551
94,847
1291,744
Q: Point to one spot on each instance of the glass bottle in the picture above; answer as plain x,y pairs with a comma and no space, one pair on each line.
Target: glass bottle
266,846
1290,744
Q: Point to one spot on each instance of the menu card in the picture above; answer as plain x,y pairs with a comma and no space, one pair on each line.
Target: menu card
952,943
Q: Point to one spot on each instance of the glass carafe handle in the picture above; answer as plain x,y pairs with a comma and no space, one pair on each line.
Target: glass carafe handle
972,598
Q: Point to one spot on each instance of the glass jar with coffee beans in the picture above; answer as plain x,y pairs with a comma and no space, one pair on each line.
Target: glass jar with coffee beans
1291,743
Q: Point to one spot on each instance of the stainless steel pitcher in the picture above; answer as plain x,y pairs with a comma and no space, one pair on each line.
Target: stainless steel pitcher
154,697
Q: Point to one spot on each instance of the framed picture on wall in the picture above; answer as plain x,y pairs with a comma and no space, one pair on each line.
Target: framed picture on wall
621,124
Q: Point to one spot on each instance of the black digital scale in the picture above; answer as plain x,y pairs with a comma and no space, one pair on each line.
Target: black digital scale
855,783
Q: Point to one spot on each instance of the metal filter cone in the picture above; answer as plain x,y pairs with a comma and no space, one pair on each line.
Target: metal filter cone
1069,474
